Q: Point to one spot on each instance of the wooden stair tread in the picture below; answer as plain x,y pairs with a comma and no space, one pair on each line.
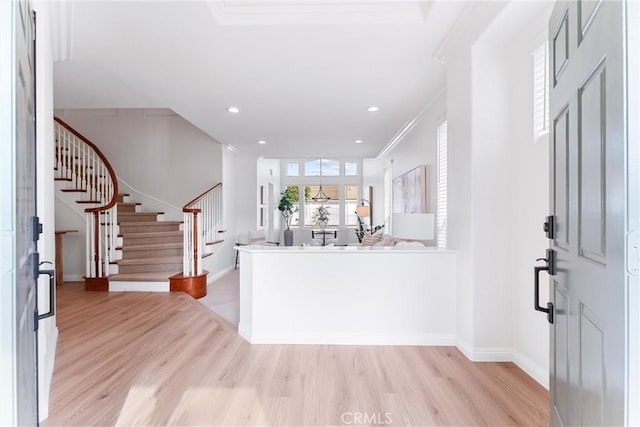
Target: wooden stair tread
72,190
129,203
88,201
146,261
161,276
154,234
152,246
148,223
215,242
140,213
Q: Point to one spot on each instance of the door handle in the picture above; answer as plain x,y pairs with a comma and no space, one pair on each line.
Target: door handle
52,305
550,268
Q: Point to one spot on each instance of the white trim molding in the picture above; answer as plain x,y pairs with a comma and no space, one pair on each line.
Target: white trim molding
299,12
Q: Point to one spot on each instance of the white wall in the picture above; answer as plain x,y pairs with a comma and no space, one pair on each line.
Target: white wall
48,332
245,197
155,151
162,160
498,179
268,172
529,197
498,187
419,147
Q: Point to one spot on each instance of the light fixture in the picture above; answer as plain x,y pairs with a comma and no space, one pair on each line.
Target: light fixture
372,109
363,211
413,226
358,141
321,197
232,148
262,142
233,110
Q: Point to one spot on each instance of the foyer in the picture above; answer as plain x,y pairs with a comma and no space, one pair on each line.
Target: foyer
159,359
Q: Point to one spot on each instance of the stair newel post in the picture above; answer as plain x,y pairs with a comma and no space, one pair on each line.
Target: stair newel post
57,145
87,238
195,242
96,244
186,249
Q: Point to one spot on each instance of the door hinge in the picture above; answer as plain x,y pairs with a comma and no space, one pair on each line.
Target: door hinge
550,227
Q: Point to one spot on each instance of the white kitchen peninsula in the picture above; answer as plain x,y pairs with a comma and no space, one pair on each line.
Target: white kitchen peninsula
347,295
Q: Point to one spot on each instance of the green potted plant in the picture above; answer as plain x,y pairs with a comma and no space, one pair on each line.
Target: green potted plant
321,217
287,209
362,229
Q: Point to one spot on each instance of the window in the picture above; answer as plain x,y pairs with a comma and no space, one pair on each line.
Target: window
541,91
322,167
388,197
295,218
341,182
293,168
350,205
333,205
441,214
350,168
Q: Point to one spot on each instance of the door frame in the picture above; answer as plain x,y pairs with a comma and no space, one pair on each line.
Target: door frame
633,196
8,414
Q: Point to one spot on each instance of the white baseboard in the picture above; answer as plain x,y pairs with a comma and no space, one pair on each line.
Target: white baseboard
139,286
213,277
532,369
350,339
505,355
484,354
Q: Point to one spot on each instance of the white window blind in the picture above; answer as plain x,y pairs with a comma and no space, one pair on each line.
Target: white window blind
441,214
541,91
388,197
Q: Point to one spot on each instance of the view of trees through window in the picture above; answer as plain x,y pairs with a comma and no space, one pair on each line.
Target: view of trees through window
332,205
350,203
303,179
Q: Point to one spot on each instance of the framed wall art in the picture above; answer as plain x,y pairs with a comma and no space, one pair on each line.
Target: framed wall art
410,191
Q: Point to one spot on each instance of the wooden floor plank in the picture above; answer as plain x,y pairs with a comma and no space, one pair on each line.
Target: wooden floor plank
164,359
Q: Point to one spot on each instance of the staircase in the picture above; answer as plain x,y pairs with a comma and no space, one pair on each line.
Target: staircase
151,250
129,249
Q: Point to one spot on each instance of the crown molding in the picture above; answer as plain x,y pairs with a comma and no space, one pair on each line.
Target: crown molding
297,12
404,130
471,23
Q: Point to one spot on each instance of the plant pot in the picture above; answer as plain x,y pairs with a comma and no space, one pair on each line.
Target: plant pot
322,225
288,237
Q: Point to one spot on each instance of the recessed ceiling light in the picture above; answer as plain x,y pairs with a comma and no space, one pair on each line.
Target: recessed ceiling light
372,109
233,110
262,142
358,141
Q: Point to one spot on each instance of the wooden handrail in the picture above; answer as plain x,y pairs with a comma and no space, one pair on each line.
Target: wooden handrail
114,178
186,207
202,219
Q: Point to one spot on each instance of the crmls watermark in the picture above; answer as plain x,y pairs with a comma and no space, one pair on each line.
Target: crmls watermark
366,418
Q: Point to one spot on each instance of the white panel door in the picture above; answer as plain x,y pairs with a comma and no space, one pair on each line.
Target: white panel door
588,202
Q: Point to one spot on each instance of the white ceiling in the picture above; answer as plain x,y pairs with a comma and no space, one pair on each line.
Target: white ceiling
302,72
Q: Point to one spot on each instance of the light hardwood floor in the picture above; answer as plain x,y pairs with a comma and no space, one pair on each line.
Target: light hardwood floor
165,359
